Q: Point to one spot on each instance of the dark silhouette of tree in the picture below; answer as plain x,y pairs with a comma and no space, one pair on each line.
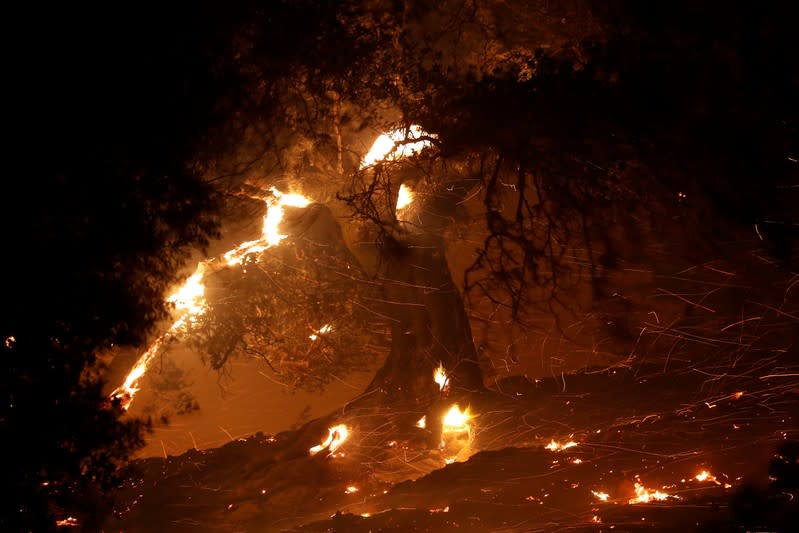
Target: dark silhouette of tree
101,212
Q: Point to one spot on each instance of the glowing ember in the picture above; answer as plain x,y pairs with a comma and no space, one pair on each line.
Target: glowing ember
456,421
351,489
10,342
601,496
335,438
396,144
556,446
645,495
404,197
440,377
327,328
422,422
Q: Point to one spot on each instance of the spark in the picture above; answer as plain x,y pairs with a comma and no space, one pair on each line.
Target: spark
9,342
422,422
351,489
335,438
440,377
396,144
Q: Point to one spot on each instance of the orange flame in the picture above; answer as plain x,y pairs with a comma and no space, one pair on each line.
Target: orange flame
387,147
404,197
189,299
645,495
336,436
556,446
440,377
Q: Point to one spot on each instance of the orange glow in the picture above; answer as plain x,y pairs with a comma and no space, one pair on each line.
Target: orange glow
335,438
422,422
556,446
351,489
387,146
440,377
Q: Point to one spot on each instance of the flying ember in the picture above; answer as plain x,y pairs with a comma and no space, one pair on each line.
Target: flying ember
335,438
396,144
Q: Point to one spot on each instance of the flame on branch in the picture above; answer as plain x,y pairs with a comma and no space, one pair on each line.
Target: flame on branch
397,144
189,299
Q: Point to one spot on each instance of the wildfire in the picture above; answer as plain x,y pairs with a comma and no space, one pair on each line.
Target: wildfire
404,197
645,495
189,299
456,433
396,144
335,438
440,377
556,446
